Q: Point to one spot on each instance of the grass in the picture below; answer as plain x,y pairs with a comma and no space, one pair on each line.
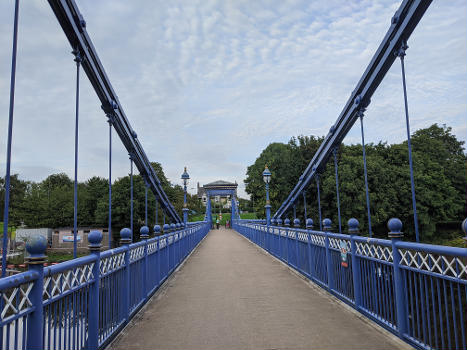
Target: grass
225,217
60,257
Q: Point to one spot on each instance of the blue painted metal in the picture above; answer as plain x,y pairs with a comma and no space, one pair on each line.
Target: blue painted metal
74,27
146,205
319,203
131,196
36,248
417,291
95,239
78,60
360,114
403,23
337,190
401,54
268,206
110,121
304,205
9,139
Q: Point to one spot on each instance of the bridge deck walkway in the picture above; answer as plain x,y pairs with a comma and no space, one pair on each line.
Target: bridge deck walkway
231,295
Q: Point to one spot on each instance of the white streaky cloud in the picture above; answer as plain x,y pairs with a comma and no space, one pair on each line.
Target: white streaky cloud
209,84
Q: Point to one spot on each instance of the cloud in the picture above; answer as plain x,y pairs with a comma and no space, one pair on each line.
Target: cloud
209,84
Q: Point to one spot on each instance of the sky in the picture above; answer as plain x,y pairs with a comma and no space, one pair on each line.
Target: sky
208,84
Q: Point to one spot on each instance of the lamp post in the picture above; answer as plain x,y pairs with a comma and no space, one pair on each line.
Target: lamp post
185,177
267,179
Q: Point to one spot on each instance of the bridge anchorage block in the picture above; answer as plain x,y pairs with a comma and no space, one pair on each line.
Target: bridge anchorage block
327,224
144,232
125,236
95,240
353,226
395,228
309,224
296,222
287,222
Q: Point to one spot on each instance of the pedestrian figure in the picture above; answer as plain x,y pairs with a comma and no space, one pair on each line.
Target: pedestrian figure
217,223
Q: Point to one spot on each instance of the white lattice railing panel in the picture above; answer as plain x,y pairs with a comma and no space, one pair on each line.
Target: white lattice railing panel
336,243
67,280
16,299
292,234
175,237
162,243
374,251
441,264
112,263
170,240
302,237
137,253
317,240
283,232
152,247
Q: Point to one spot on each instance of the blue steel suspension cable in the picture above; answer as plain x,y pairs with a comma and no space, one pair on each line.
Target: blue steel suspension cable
360,114
294,211
337,189
110,121
146,205
304,204
10,135
75,191
401,54
131,196
156,212
319,204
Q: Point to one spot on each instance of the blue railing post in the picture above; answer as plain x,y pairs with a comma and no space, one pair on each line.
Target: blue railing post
36,247
296,224
309,228
357,285
95,239
327,227
144,234
125,239
157,232
279,224
395,234
287,239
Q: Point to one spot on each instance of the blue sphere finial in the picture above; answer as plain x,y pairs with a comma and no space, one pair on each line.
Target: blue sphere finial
327,224
144,232
464,226
395,228
166,228
309,223
273,221
172,227
279,222
177,225
296,222
157,229
125,235
287,222
95,239
36,247
353,225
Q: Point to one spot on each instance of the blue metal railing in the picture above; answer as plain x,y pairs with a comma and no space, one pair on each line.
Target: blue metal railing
83,303
417,291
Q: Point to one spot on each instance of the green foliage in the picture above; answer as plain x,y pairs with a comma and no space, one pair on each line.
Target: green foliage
440,181
50,202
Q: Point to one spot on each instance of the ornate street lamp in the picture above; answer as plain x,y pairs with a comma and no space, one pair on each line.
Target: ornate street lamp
185,177
267,179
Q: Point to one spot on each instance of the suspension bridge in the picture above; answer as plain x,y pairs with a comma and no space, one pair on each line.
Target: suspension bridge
188,286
